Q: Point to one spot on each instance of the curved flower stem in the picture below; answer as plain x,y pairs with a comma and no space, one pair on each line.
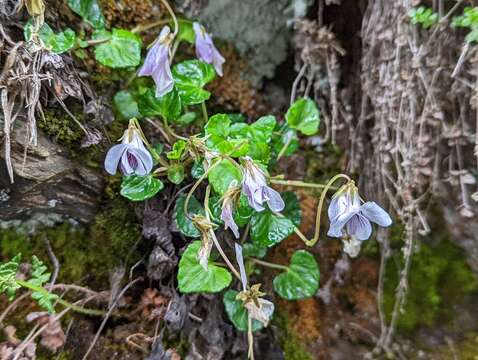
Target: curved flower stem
268,264
312,241
325,188
214,238
173,16
65,303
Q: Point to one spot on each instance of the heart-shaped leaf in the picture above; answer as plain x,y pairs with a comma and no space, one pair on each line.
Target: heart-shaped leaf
126,105
301,279
122,49
184,224
176,173
167,106
304,116
90,11
193,278
237,313
139,188
268,229
189,78
223,175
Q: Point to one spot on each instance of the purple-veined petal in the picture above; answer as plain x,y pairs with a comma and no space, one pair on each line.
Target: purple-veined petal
337,224
113,157
144,161
337,206
227,217
125,164
359,226
156,54
205,49
274,200
203,44
376,214
151,61
163,78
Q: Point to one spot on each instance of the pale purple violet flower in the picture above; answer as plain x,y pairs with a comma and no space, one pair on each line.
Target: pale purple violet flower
254,187
345,210
157,64
131,156
205,49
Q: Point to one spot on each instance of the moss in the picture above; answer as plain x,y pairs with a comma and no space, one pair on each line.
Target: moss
292,346
86,254
60,126
439,277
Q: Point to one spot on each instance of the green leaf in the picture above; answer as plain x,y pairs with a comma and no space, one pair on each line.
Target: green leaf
257,136
222,175
304,116
186,31
184,224
301,280
424,16
55,42
243,212
268,229
193,278
122,50
189,77
126,105
260,135
38,278
178,150
167,106
176,173
197,170
250,249
292,207
139,188
186,119
8,272
90,11
237,313
218,126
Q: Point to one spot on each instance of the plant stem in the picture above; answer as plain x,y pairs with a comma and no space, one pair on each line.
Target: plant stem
65,303
214,238
195,186
173,16
141,28
312,241
326,188
204,112
284,148
297,183
268,264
